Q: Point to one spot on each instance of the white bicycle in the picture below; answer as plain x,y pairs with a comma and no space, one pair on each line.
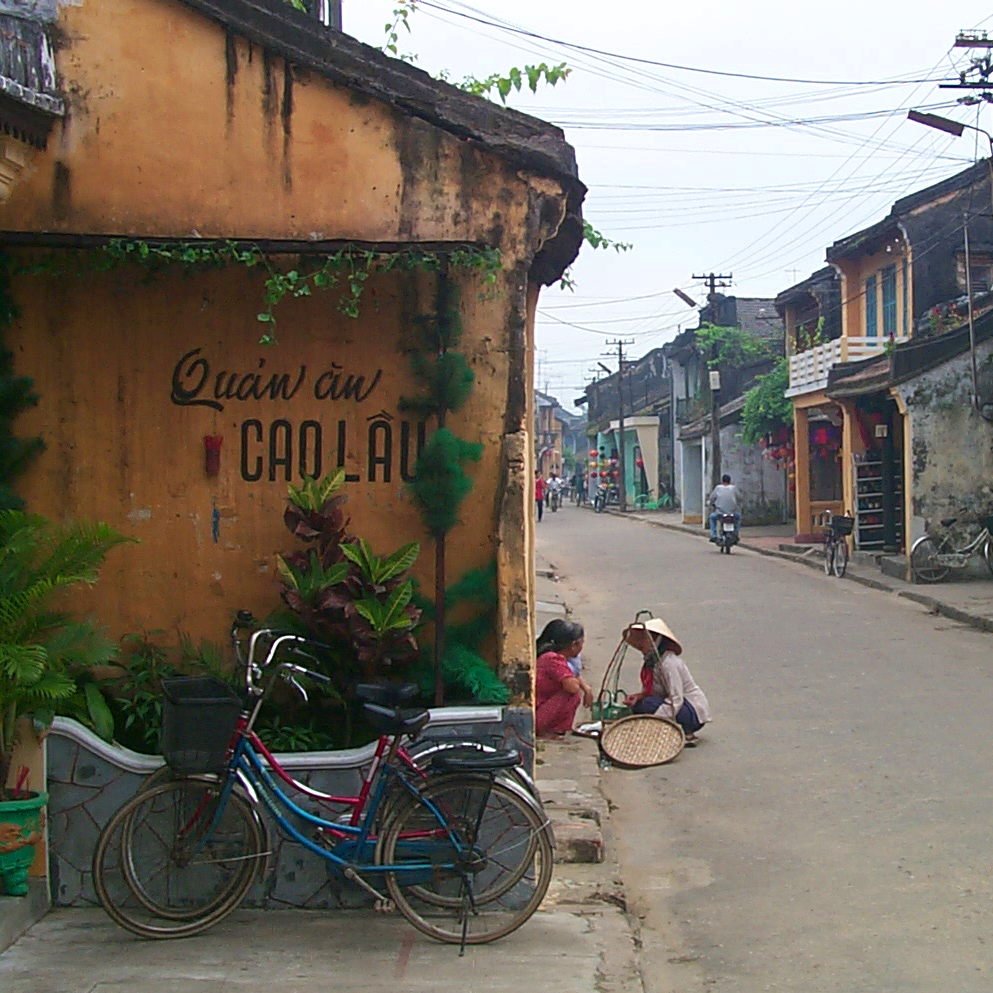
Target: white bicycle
933,556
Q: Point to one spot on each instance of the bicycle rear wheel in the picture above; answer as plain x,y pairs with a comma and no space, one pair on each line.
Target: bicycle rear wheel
924,562
478,863
174,860
840,563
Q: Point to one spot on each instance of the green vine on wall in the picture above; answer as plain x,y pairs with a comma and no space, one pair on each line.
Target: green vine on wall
349,268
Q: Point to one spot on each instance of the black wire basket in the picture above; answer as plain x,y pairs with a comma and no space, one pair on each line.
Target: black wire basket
842,525
988,521
198,719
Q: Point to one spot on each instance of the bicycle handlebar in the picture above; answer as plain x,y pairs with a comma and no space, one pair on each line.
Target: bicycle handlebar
274,642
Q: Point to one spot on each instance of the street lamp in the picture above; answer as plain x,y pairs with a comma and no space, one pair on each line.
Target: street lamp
946,124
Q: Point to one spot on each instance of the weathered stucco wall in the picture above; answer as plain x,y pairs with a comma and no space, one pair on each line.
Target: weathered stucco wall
951,445
133,373
760,483
176,128
179,129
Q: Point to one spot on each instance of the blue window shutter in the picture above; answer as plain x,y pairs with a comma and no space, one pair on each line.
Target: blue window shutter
906,296
889,300
870,308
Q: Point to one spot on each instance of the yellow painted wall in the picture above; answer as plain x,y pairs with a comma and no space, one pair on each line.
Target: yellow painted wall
164,139
856,270
164,136
128,376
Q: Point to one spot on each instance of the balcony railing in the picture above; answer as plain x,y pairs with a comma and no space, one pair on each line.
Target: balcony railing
809,370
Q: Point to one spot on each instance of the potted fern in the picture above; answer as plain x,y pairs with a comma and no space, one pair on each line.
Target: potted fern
41,652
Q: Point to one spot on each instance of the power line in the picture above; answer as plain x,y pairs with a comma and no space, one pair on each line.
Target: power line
501,26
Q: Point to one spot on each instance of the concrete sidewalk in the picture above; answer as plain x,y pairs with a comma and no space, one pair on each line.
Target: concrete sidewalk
580,941
966,600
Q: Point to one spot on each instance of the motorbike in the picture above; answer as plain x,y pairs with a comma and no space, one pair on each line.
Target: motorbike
727,533
606,493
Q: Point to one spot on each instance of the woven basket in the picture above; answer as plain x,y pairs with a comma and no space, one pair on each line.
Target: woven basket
642,740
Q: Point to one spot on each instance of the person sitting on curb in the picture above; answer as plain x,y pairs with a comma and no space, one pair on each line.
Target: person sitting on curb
724,501
559,689
667,687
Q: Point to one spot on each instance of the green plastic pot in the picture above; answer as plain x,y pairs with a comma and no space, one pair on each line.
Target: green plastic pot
20,828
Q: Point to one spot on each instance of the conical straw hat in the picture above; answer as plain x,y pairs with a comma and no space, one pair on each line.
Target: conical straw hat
657,626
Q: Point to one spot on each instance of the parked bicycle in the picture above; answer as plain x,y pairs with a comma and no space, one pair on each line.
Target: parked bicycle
933,556
836,534
465,855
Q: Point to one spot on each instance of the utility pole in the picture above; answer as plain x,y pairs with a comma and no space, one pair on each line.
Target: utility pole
714,282
622,499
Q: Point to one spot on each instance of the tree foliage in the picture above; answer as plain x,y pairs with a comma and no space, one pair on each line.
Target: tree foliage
729,346
767,408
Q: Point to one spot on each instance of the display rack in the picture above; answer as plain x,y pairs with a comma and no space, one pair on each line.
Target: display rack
869,501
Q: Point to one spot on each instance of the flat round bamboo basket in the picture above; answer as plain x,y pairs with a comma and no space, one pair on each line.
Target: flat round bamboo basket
642,740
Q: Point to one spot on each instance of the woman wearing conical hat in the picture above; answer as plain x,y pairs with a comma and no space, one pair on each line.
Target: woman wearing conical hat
668,689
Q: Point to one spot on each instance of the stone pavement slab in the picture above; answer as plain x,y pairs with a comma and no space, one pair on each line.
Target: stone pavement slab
572,949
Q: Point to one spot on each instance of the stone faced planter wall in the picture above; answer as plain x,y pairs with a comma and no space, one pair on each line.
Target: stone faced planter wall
88,780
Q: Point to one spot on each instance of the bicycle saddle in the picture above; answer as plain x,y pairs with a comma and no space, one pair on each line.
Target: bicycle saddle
947,522
396,720
387,694
469,759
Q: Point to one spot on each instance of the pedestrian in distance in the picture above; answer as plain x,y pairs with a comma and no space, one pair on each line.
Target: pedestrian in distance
724,501
668,689
559,688
539,493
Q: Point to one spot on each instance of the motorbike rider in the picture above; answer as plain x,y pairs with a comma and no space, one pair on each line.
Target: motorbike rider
555,488
724,501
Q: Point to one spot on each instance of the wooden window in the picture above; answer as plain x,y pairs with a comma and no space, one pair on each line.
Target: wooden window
980,272
889,300
871,307
905,274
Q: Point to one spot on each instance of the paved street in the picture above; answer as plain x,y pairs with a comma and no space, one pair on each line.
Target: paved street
831,832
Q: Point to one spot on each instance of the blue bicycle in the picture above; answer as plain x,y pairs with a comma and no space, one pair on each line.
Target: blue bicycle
463,852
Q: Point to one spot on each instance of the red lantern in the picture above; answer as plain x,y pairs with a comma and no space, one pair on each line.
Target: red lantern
592,453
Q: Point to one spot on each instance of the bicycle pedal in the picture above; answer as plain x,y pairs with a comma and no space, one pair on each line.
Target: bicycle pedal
384,906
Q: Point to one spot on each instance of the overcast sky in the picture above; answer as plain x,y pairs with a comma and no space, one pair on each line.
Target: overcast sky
704,172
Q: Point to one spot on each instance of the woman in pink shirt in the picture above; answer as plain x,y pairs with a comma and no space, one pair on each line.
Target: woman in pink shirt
558,687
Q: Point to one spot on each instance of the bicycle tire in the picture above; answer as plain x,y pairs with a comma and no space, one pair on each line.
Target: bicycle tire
988,554
450,793
498,881
840,563
923,562
828,557
142,870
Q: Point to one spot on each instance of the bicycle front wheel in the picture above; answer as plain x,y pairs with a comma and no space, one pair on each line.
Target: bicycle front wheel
176,859
924,561
988,554
840,563
475,858
828,557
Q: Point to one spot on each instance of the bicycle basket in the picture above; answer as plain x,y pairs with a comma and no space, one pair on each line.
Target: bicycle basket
988,521
198,719
842,525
